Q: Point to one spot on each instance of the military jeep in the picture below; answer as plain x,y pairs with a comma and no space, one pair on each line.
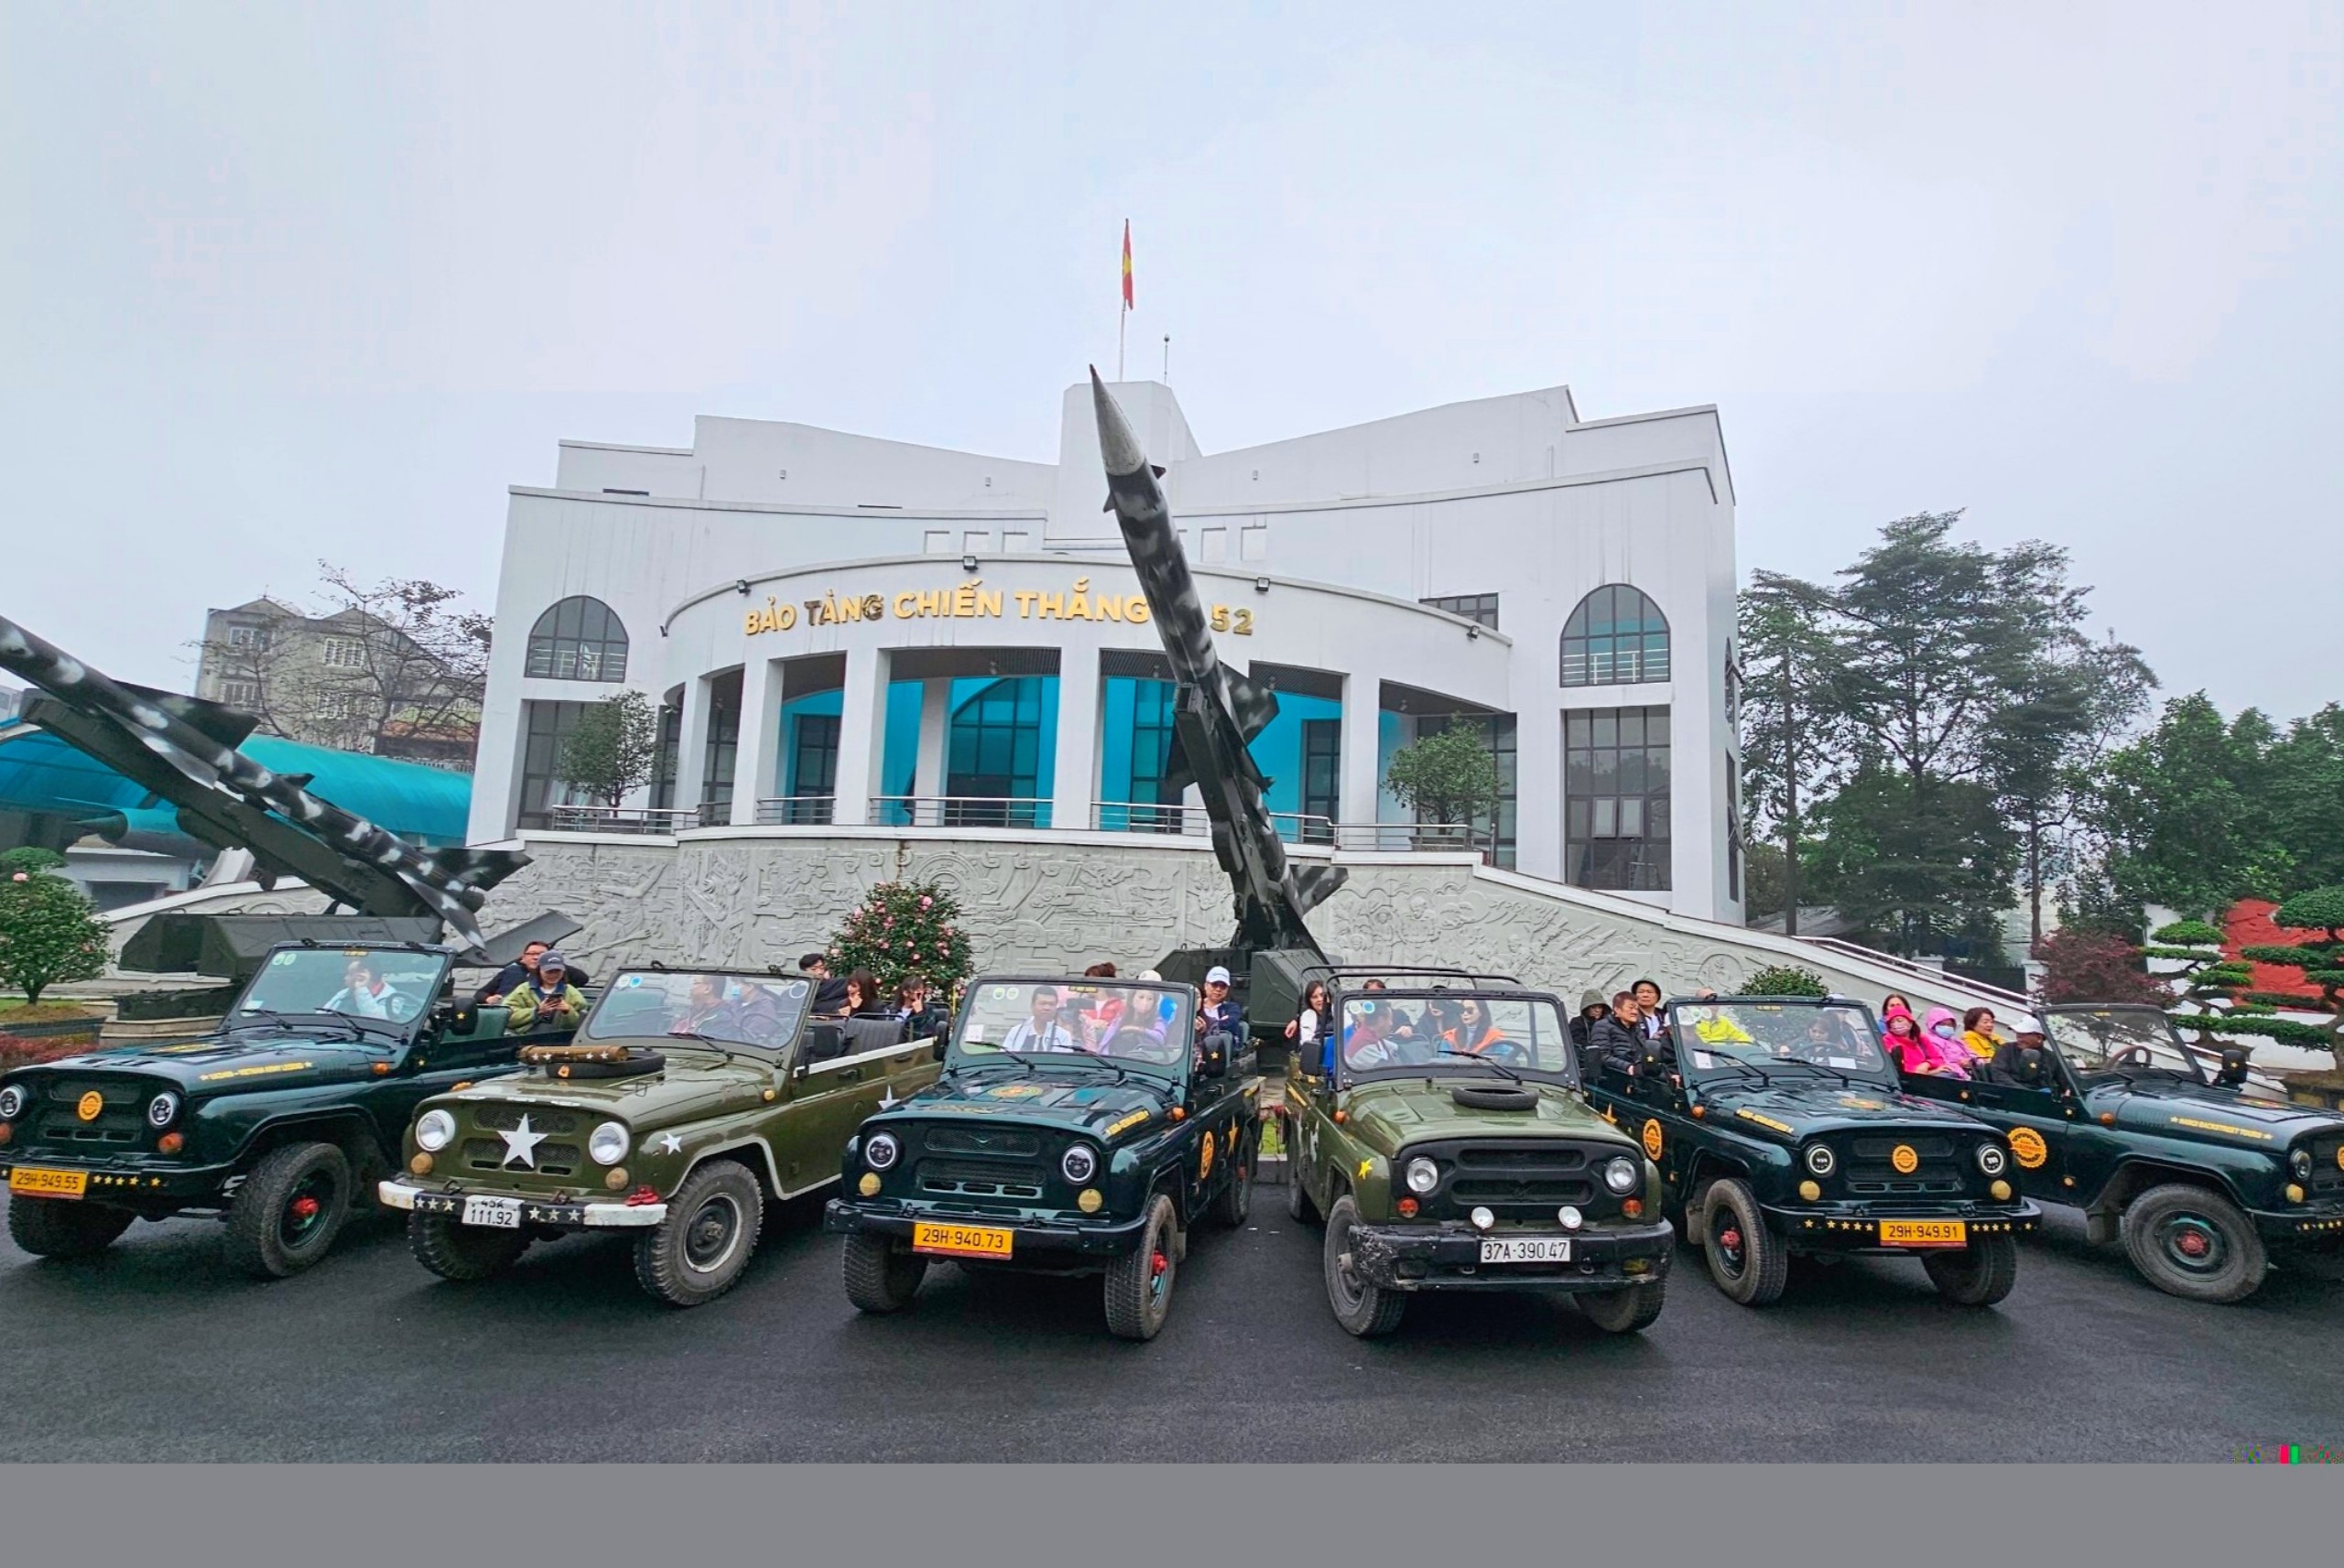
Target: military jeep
2162,1147
279,1120
1780,1129
1445,1135
688,1099
1081,1126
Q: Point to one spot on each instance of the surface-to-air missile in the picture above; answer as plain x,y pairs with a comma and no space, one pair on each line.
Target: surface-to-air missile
1216,712
185,748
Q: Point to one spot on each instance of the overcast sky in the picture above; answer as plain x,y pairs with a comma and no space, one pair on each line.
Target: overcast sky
284,284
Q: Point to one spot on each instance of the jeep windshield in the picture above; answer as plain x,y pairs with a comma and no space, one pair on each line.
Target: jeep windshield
1473,1033
2121,1040
1777,1040
1037,1024
380,993
715,1009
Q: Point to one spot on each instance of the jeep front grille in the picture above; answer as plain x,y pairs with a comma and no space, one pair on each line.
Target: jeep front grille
1525,1182
120,1123
1872,1166
987,1143
507,1119
2327,1173
552,1159
1021,1182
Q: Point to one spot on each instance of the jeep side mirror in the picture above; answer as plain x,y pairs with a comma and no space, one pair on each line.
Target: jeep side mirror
1216,1057
2233,1072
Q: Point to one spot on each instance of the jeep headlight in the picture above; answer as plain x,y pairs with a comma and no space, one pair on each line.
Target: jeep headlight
2298,1163
1423,1175
434,1131
1820,1161
1078,1164
607,1143
11,1102
162,1109
1991,1160
1622,1176
881,1151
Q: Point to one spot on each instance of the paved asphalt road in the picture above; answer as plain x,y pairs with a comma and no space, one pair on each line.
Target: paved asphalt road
156,1351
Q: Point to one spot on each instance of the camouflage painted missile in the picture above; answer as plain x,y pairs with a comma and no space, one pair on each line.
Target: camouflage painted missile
196,744
1219,709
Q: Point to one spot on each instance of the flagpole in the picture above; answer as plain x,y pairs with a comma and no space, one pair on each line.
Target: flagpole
1122,317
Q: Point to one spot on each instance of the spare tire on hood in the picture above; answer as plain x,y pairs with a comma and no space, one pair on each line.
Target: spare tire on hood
592,1061
1495,1097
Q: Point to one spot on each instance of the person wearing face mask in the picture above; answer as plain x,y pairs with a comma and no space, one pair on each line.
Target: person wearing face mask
1941,1039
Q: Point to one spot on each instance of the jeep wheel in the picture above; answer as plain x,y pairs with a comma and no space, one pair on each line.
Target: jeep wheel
2193,1243
60,1228
1748,1262
1298,1206
1359,1307
1631,1309
1139,1283
1978,1275
1235,1199
464,1253
699,1251
878,1277
290,1210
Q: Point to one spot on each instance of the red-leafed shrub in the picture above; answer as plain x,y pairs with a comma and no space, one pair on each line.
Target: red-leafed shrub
2086,966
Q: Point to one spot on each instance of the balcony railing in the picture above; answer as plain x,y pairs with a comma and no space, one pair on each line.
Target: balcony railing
957,811
796,810
621,818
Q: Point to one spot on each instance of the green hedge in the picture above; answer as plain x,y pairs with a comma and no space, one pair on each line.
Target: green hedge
2186,955
2303,957
2196,931
1783,979
2284,1030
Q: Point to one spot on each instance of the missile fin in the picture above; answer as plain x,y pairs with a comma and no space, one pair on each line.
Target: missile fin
214,721
1253,706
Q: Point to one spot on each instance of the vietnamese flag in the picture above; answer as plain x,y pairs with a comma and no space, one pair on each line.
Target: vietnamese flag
1127,264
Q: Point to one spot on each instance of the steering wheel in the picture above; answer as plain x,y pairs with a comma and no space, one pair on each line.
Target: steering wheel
1508,1051
2132,1056
400,1006
1141,1046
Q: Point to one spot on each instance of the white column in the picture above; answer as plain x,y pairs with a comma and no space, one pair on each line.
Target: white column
753,764
863,730
1076,777
1362,779
691,746
1539,793
935,729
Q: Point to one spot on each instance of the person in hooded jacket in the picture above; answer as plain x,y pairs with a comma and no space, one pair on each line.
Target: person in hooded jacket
1941,1045
1592,1010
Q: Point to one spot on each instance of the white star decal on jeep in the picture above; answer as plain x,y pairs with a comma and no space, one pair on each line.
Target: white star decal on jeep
522,1144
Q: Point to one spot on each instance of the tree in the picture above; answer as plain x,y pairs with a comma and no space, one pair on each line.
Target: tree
904,928
611,750
49,933
1446,777
2091,966
1794,722
2181,811
1916,868
1783,980
29,857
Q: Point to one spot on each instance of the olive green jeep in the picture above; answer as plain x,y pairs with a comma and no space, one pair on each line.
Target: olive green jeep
1443,1131
687,1100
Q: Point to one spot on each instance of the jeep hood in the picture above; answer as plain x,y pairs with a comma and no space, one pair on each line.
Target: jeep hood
682,1090
210,1066
2210,1115
1081,1100
1812,1105
1390,1113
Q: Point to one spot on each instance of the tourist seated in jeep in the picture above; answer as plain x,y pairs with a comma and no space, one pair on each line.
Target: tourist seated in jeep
546,999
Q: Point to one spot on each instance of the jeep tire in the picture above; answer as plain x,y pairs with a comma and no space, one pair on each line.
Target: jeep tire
1748,1262
1976,1275
464,1253
1299,1206
1362,1308
289,1211
2192,1242
878,1277
696,1253
1630,1309
61,1228
1139,1283
1235,1199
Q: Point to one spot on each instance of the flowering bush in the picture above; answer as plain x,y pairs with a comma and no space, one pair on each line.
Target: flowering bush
904,928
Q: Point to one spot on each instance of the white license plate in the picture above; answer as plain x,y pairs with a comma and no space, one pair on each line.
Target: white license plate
497,1214
1526,1249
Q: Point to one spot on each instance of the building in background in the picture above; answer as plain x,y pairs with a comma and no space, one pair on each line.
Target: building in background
352,679
844,631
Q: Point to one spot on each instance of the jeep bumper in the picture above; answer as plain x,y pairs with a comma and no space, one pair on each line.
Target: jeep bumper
1040,1243
534,1211
1446,1255
1856,1228
148,1189
2301,1225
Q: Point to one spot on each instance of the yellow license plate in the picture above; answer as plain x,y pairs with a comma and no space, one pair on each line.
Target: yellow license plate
49,1184
1924,1233
962,1240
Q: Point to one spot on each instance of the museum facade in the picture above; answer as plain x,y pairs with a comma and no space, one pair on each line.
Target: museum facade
839,632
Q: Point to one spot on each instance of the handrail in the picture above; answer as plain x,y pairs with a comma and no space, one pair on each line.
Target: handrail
959,811
654,820
796,810
1919,971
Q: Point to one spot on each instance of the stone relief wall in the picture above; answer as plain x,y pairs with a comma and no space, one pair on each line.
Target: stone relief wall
1048,904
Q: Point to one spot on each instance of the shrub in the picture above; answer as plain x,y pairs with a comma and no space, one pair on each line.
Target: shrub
2285,1029
904,928
2089,965
1783,980
2196,932
48,933
2321,909
28,859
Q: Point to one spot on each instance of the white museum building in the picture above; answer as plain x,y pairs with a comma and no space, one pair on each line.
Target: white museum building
842,633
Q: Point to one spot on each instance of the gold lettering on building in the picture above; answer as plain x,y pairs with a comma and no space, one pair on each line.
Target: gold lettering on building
972,600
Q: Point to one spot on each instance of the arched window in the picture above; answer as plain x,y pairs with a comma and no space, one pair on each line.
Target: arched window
578,639
1617,636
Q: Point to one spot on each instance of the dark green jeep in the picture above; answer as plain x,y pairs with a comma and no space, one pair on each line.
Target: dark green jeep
280,1120
1446,1138
688,1101
1079,1126
1780,1128
2161,1145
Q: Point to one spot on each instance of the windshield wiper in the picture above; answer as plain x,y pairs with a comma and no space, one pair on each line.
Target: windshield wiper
1483,1061
1816,1067
999,1058
1720,1060
262,1015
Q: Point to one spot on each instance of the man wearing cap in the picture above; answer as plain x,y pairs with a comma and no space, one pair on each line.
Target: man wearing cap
1219,1014
547,1001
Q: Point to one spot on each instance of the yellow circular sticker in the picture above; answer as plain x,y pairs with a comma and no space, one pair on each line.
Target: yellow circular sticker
1905,1160
89,1105
1652,1137
1204,1161
2028,1145
2339,1156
